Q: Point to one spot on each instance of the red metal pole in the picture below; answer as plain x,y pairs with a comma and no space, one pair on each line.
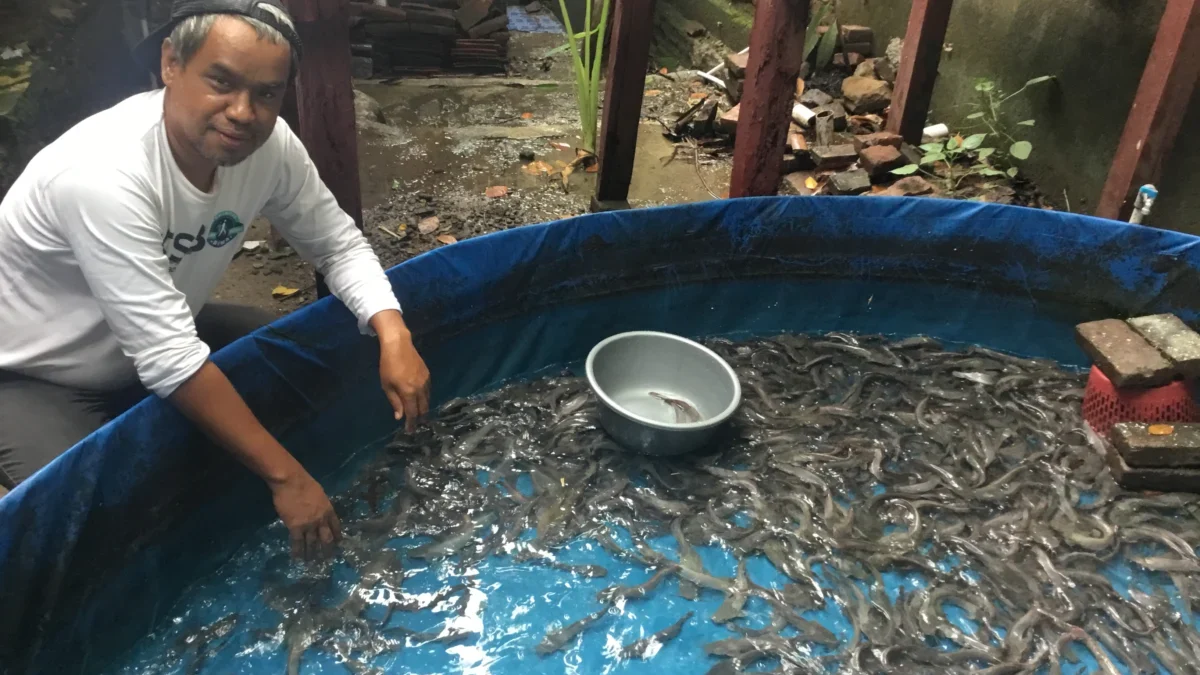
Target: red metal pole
776,53
632,26
325,101
923,42
1158,109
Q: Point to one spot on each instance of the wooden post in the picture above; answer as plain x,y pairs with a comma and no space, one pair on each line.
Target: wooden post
923,42
1158,108
325,101
632,29
776,53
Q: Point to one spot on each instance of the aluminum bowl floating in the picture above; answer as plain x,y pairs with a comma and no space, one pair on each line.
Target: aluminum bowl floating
661,394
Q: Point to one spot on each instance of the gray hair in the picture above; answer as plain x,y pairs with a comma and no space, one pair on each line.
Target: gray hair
190,34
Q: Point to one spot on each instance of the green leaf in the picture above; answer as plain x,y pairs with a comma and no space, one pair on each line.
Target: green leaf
395,184
989,171
932,158
906,170
952,144
984,153
1039,80
1021,149
985,86
1012,173
975,116
973,141
828,45
1027,123
810,36
933,147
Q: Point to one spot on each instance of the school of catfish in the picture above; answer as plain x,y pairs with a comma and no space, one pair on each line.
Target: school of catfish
850,457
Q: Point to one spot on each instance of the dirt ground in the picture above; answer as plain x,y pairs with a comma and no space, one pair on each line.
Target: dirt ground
447,140
431,150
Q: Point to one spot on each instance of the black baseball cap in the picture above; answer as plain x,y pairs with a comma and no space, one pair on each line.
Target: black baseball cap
149,50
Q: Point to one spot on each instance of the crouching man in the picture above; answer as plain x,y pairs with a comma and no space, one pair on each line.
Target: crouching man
114,237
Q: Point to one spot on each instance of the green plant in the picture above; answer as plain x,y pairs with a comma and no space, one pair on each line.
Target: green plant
966,157
990,112
823,45
953,152
587,70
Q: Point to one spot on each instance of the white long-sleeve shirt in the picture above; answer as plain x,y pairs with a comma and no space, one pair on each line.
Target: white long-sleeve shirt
107,252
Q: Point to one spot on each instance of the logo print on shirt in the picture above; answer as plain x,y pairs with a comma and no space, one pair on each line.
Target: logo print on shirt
225,228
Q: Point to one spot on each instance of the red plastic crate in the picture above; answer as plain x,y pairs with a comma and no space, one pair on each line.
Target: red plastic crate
1104,405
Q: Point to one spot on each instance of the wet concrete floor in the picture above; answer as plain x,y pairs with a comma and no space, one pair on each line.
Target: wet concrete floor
446,140
470,135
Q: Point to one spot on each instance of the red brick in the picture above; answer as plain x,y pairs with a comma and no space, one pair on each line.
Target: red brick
728,121
880,138
736,64
878,160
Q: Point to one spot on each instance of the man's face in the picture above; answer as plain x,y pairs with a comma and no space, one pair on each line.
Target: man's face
224,102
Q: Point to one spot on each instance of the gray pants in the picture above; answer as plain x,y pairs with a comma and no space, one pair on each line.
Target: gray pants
39,420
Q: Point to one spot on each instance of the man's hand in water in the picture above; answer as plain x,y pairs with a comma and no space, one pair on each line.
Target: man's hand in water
402,372
308,515
209,400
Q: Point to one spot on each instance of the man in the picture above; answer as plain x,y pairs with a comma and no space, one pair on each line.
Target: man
114,237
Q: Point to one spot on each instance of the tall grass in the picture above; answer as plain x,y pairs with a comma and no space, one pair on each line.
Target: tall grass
587,69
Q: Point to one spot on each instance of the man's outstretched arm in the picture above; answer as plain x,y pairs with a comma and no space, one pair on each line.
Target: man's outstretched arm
209,400
308,215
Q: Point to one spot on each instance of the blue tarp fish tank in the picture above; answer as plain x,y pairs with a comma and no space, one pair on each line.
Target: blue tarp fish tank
145,528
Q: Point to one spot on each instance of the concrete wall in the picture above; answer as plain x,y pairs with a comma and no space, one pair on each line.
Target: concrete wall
1096,48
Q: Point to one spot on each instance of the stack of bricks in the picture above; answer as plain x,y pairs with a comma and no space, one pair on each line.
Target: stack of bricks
425,37
1160,457
855,44
1140,357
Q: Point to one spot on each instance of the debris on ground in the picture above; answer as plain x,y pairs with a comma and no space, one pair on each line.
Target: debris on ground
829,157
878,138
866,95
727,124
803,182
853,182
838,133
910,186
880,160
428,225
505,161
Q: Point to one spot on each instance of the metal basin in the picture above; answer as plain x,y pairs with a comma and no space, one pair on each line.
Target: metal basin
661,394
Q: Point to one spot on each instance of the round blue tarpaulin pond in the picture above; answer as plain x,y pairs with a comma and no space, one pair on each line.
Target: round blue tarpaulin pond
97,549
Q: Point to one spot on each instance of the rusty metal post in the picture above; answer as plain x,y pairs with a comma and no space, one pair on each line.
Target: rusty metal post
1158,108
923,42
325,101
632,24
776,54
